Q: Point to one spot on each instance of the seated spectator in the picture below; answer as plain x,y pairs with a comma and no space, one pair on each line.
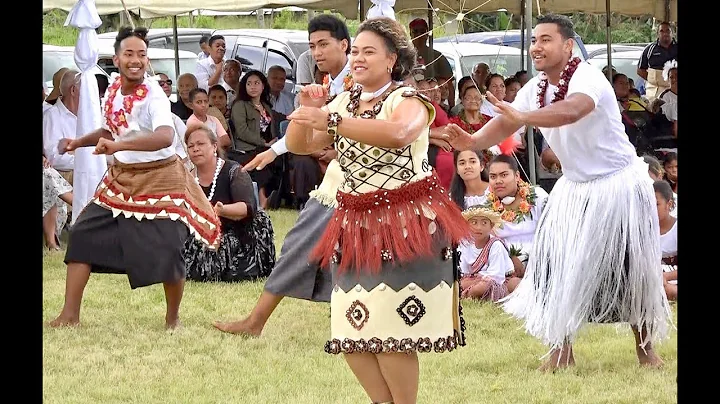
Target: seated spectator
182,107
200,104
57,195
668,237
463,83
512,86
218,99
484,261
519,205
495,83
469,185
247,249
252,127
439,150
636,115
671,169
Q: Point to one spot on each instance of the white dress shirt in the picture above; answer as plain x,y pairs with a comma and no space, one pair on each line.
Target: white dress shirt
58,123
337,86
230,92
204,69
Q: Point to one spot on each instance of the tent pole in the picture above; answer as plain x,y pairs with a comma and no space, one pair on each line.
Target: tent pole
609,40
532,175
176,47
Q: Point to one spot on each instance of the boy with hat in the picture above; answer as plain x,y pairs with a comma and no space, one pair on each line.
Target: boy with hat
485,260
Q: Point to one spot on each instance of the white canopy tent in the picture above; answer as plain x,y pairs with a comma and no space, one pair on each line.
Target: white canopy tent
660,9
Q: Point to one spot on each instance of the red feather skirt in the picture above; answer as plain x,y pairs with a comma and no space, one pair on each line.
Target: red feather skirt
390,225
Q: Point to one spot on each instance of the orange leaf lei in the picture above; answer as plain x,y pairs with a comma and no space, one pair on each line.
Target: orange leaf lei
348,82
527,196
117,119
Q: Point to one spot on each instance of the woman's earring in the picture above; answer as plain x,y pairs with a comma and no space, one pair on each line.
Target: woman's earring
389,70
215,153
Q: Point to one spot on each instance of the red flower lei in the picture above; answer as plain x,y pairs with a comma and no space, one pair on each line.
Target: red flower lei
563,84
117,119
348,82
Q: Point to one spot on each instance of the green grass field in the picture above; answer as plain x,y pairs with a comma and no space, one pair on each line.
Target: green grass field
122,354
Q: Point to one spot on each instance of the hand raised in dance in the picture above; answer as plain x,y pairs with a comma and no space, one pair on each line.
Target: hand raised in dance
260,161
458,138
506,109
106,146
66,145
313,95
312,117
219,207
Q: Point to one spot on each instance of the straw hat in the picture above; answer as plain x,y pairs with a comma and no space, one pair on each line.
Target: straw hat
485,213
57,77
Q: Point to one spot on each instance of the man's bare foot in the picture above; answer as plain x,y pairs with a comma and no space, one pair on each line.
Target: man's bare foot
559,359
649,358
65,321
172,324
242,327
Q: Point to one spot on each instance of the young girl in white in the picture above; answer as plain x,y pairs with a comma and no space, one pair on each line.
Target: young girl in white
469,185
668,236
485,260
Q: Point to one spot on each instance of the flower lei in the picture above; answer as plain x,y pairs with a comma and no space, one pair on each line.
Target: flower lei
563,84
118,119
348,82
527,196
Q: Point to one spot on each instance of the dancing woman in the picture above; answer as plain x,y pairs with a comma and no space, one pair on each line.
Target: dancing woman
389,243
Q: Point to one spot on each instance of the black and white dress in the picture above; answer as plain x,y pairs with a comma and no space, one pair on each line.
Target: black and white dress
247,249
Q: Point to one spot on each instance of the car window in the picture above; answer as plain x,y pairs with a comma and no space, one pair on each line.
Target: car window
158,43
506,65
251,57
167,66
190,43
54,61
277,58
627,67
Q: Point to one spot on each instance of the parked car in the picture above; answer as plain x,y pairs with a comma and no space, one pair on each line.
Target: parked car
463,56
511,37
161,60
188,38
625,62
601,49
57,57
259,49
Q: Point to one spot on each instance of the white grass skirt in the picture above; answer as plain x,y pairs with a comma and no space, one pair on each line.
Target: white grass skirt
596,258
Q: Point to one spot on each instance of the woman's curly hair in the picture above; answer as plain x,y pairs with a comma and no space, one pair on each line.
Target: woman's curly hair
396,40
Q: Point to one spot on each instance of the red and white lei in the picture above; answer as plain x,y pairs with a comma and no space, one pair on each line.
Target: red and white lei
563,84
117,119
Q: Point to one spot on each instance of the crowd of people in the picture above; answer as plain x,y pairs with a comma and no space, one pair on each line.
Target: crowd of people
391,177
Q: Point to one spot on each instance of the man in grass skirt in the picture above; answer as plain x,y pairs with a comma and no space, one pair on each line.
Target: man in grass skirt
596,255
147,204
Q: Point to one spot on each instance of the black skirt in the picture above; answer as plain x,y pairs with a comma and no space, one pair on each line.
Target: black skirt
148,251
241,257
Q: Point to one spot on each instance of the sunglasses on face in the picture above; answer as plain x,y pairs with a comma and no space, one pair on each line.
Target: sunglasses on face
168,82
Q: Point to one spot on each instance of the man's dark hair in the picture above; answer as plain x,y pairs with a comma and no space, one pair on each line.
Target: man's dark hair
204,39
218,87
564,24
215,38
335,26
520,73
127,32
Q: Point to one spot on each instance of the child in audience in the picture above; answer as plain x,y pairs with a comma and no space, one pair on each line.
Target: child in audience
469,184
668,237
485,260
657,173
218,99
200,103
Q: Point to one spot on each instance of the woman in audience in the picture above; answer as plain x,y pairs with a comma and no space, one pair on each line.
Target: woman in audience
657,173
668,237
670,166
469,184
470,118
512,86
439,150
252,127
200,103
57,195
485,260
218,99
247,250
519,205
495,83
463,83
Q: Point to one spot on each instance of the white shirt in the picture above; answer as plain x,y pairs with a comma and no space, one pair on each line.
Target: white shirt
230,92
46,106
202,55
522,235
669,109
58,123
204,69
284,103
179,139
668,246
337,86
147,115
498,263
596,145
